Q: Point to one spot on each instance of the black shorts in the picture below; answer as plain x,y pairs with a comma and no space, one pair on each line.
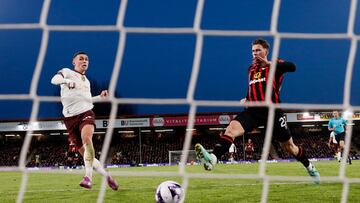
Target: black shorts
340,137
252,118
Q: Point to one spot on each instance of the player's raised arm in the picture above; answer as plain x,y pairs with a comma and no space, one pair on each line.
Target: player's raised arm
59,79
286,66
102,96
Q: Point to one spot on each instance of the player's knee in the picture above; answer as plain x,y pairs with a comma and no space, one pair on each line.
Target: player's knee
87,140
234,129
289,147
81,151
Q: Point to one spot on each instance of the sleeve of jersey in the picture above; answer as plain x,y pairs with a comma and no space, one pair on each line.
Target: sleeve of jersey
96,99
247,91
59,78
285,66
330,124
64,72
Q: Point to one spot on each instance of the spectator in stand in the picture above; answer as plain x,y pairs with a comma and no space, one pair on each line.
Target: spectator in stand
249,149
71,155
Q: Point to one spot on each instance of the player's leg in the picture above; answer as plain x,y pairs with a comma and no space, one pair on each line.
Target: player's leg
338,152
340,140
341,149
283,135
76,136
349,158
100,169
96,164
88,155
300,155
233,130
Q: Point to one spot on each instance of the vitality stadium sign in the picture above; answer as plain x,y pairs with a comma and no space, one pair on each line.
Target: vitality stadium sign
183,120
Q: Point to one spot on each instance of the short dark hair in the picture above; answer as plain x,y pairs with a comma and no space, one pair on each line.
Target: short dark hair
78,53
262,42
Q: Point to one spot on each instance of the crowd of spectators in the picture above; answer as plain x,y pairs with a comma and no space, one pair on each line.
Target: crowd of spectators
9,154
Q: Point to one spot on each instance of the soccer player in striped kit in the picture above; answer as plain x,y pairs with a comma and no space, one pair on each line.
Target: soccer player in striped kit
253,117
79,119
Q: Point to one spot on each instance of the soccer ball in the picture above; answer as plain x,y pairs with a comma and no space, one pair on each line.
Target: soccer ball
169,192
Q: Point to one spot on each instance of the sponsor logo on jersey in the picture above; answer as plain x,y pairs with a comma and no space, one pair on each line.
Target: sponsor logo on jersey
257,80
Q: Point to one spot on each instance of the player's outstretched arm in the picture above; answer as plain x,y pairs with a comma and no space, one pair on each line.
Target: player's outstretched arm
102,96
286,66
332,128
59,79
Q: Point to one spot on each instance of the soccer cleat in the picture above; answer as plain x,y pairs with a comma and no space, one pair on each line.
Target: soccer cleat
314,174
209,160
86,183
112,183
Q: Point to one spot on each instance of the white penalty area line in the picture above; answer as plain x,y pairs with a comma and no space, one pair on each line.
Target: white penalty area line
136,187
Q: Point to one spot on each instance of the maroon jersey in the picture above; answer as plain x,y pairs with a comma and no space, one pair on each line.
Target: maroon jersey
258,77
249,147
72,148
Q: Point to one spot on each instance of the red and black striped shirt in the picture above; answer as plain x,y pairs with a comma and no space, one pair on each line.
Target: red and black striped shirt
258,77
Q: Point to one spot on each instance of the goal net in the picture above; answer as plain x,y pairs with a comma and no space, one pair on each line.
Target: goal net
175,157
52,31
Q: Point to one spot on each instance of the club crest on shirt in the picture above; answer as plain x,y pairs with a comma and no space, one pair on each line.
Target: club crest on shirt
257,75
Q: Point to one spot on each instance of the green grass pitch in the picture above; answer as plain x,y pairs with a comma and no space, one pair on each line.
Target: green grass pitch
51,187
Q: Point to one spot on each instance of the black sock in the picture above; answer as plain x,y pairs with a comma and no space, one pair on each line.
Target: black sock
222,146
301,156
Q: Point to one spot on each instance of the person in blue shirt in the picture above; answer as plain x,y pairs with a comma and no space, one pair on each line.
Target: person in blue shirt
337,126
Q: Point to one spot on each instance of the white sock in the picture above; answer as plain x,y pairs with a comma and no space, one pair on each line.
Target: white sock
99,168
213,159
310,166
89,156
338,156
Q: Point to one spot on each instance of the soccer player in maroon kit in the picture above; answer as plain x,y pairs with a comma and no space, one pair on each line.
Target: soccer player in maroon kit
253,117
249,149
79,118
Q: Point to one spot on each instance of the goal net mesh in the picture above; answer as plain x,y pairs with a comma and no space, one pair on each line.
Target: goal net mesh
186,155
